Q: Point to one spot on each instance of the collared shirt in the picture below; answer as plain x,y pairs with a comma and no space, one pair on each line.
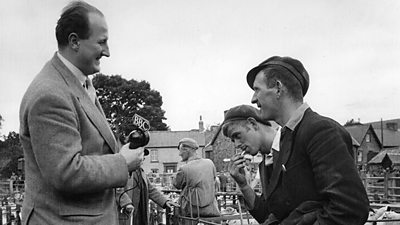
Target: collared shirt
296,117
275,147
74,70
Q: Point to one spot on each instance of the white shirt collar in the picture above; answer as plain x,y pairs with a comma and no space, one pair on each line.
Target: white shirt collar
297,116
77,73
268,159
277,138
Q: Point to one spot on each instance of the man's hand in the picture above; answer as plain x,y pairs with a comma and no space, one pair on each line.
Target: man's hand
133,157
170,204
128,209
236,169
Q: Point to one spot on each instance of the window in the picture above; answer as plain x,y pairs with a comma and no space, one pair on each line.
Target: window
154,155
170,167
359,156
368,138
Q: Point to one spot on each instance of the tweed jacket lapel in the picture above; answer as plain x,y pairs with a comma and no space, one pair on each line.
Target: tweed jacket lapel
94,111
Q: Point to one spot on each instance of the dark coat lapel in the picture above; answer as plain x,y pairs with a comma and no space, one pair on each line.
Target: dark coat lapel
286,148
93,111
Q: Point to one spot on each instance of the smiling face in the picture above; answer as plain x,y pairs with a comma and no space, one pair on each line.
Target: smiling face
93,48
265,98
244,136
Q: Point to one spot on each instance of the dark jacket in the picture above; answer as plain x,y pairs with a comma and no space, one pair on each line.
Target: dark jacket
138,185
314,179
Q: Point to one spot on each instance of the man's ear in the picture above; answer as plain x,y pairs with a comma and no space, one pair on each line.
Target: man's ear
73,40
253,122
279,88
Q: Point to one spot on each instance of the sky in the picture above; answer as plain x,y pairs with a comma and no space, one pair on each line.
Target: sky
197,53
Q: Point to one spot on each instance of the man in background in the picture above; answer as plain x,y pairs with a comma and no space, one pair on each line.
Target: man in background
140,191
71,164
197,180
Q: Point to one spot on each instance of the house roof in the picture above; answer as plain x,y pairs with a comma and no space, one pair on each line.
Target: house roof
355,142
390,138
358,132
379,124
170,139
393,154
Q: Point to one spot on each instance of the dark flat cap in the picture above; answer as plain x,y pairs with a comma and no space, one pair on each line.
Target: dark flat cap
294,66
242,112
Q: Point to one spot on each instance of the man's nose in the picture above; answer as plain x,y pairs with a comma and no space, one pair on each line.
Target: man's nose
106,51
254,98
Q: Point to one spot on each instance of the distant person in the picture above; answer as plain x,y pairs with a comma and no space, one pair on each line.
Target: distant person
217,184
314,180
140,190
223,180
197,180
71,169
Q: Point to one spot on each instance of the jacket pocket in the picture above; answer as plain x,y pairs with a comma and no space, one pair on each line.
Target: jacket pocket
90,205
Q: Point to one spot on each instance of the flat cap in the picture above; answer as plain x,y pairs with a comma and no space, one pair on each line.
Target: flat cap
294,66
242,112
188,142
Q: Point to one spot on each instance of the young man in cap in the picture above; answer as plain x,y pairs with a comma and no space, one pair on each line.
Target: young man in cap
314,180
244,126
197,180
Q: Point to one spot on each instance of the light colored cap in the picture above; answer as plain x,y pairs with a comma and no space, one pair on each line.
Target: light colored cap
188,142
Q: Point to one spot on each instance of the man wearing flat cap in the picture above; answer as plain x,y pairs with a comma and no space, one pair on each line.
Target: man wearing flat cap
253,135
314,178
196,178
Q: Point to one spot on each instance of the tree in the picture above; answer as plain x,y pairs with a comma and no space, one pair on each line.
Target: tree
121,99
352,122
10,151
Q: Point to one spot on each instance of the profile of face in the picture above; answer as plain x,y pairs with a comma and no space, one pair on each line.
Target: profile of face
245,137
184,152
93,48
265,98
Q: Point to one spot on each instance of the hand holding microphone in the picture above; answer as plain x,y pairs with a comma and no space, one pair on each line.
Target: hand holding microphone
139,137
133,158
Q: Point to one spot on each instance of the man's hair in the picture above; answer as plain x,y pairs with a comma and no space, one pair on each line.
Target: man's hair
274,73
74,19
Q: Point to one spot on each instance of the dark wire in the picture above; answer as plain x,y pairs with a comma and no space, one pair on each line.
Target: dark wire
129,189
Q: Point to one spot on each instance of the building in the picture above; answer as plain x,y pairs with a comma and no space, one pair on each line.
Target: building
388,132
164,155
368,141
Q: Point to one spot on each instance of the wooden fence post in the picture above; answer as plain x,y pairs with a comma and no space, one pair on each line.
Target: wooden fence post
386,185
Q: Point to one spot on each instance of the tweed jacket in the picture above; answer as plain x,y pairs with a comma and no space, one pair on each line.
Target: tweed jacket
197,181
149,191
314,180
70,166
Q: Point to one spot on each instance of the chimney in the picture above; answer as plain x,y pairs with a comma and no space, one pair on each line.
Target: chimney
201,125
